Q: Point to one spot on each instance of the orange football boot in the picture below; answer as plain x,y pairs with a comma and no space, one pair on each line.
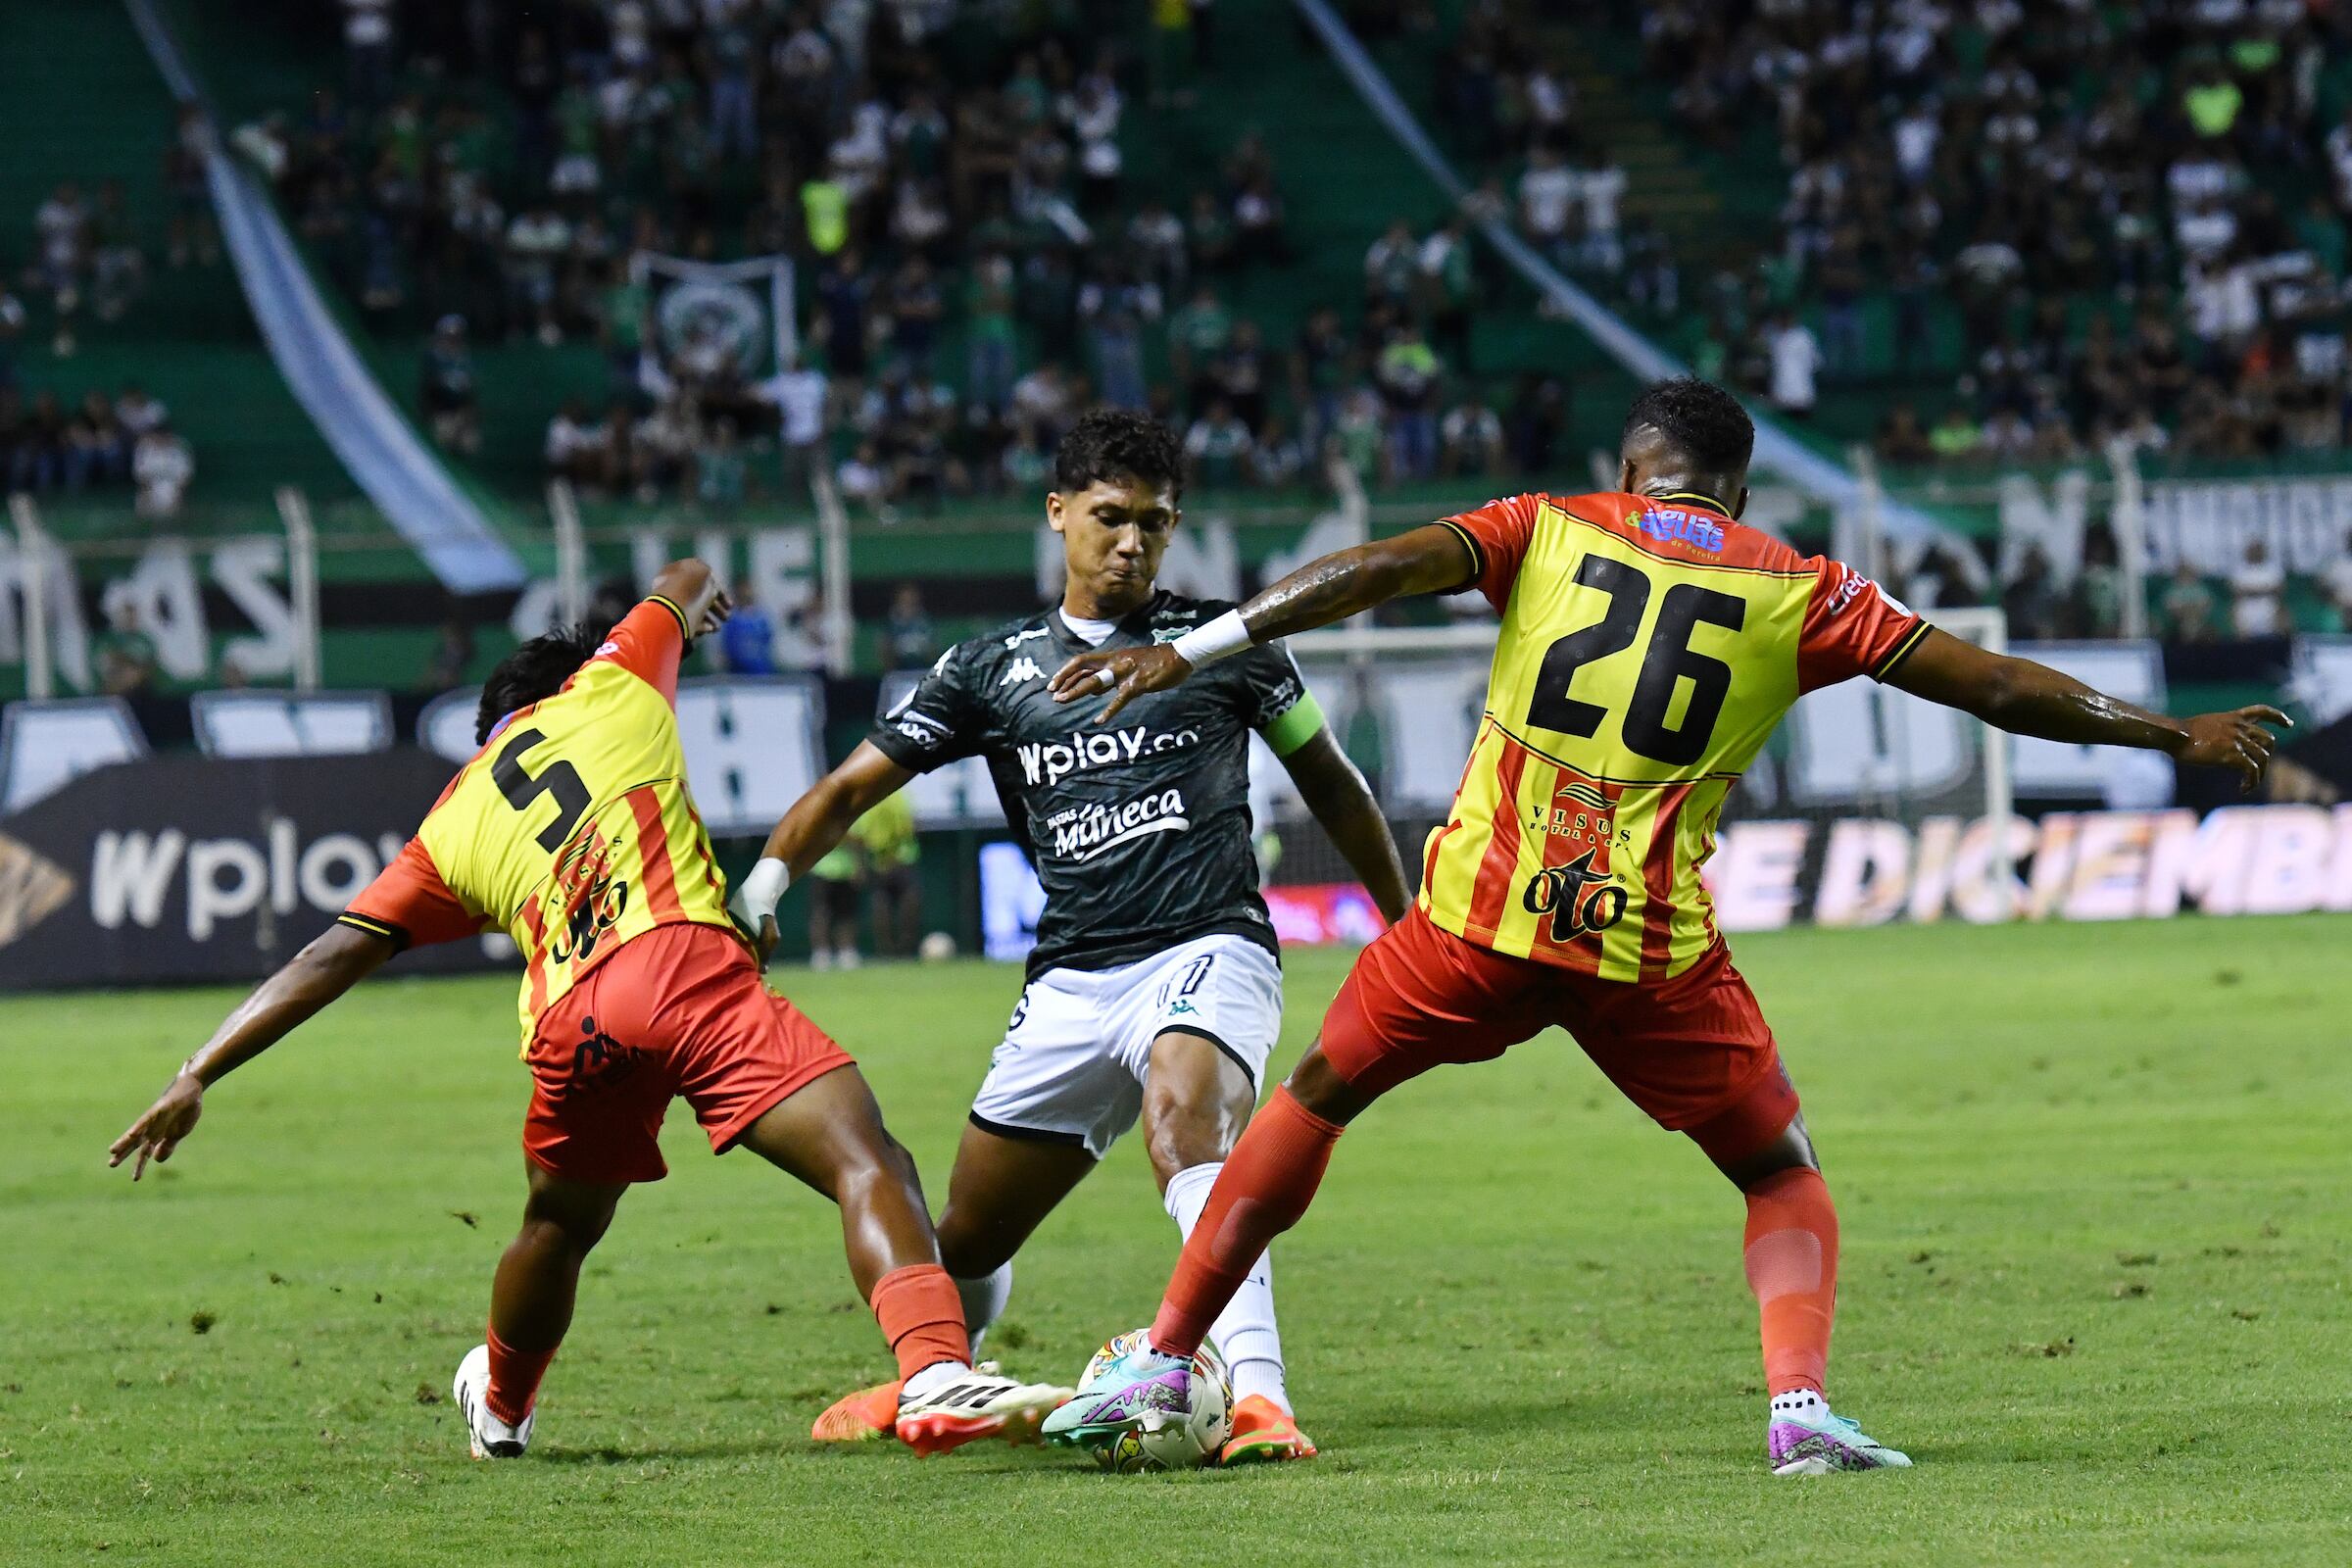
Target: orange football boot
1263,1431
868,1416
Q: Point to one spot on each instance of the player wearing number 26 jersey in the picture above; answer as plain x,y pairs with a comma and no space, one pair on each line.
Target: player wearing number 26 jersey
1650,644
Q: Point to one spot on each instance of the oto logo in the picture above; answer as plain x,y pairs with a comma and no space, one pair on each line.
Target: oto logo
1579,898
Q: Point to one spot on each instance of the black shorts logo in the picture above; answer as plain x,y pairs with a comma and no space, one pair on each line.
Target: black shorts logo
598,1062
1579,898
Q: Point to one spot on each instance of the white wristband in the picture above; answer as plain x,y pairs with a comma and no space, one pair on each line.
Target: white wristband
761,888
1221,638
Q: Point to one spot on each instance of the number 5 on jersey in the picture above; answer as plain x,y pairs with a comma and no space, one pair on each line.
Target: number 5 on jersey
560,779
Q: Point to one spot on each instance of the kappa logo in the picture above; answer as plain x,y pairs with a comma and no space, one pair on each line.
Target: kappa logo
32,888
1023,668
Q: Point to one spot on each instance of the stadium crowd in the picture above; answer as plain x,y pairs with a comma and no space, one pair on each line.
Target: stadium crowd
974,264
2072,185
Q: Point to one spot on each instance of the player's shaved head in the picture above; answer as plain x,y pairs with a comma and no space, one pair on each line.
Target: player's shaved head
534,672
1687,434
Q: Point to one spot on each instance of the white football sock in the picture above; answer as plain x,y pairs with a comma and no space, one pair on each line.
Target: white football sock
1800,1402
932,1377
983,1301
1244,1333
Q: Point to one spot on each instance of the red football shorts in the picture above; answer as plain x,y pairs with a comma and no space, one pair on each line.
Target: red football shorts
1684,1050
677,1012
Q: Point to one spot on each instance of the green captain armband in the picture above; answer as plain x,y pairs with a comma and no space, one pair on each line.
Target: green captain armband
1298,724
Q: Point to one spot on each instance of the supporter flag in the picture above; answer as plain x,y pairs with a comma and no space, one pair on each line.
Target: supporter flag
709,321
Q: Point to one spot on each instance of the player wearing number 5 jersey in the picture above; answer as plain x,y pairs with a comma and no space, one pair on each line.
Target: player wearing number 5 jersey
1650,644
572,831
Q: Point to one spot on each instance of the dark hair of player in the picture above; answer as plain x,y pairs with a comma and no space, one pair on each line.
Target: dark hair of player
1701,421
534,672
1116,444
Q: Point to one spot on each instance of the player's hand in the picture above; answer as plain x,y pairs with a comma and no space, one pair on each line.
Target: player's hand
715,614
1125,673
764,940
2237,741
157,1133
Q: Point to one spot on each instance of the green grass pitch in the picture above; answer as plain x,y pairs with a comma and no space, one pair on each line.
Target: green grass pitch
2093,1182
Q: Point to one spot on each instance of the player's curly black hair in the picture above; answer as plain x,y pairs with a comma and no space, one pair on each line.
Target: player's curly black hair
1116,444
1704,422
535,671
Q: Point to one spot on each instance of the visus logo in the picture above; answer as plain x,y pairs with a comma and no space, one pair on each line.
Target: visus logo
1051,761
1099,829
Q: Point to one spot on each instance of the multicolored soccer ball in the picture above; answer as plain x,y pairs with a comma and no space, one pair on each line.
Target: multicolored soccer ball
1175,1440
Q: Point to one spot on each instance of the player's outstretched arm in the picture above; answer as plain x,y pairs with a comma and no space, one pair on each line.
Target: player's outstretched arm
310,980
1424,561
1335,792
2030,699
818,821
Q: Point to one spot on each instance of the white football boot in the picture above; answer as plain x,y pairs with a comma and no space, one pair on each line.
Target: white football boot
942,1409
489,1437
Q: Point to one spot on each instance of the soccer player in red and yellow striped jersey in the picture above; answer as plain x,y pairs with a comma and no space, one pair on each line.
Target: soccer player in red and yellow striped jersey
573,831
1649,643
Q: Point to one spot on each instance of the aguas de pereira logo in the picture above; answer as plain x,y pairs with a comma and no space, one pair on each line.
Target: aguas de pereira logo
32,888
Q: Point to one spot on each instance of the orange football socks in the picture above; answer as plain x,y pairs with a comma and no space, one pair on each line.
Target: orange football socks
515,1377
1792,1267
1267,1181
921,1316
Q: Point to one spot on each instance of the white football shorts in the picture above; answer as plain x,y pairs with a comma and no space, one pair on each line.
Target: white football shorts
1078,1050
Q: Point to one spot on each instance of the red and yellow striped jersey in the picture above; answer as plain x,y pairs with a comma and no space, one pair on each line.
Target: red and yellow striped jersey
572,829
1650,644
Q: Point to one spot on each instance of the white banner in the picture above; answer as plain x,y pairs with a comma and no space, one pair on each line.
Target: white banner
2307,523
2093,866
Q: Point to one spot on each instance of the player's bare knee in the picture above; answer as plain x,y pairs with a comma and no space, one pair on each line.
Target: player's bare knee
1181,1132
567,1216
1319,1088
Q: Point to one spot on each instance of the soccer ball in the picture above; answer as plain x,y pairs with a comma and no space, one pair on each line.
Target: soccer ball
1169,1441
936,948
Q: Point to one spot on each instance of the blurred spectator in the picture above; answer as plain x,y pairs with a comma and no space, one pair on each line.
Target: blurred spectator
451,655
1795,356
1408,373
2032,599
834,882
1217,447
910,640
891,859
800,395
447,394
162,466
2188,607
748,639
1472,433
2257,586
